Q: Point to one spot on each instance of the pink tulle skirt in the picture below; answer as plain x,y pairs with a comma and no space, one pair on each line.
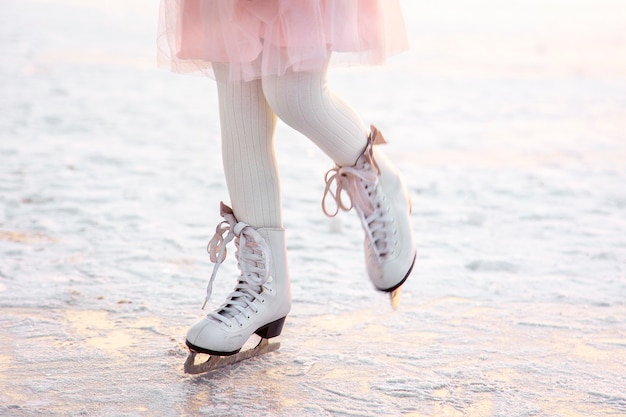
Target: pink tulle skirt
269,37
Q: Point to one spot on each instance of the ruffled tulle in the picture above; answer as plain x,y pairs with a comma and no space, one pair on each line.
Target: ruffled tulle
270,37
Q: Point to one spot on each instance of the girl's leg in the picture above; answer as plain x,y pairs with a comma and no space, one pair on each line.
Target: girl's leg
247,127
262,298
304,101
375,187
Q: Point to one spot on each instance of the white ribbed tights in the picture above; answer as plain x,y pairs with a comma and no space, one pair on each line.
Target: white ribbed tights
248,114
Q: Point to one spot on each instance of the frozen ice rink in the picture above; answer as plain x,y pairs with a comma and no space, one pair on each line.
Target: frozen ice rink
508,119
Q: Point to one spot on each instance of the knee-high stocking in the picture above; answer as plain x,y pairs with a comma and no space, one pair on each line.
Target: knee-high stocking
247,127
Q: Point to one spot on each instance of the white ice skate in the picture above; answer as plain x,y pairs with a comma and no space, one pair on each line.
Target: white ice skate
258,305
376,189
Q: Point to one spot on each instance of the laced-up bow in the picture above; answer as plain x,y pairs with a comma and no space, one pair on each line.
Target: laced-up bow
252,256
359,184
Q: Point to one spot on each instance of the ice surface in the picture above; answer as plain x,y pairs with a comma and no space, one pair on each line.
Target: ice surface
509,121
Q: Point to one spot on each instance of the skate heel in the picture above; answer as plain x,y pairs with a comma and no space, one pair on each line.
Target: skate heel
272,329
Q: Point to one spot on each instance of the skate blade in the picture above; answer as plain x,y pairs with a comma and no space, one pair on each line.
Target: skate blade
394,297
217,362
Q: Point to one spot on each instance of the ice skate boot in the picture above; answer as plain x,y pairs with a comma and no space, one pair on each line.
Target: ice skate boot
259,303
376,190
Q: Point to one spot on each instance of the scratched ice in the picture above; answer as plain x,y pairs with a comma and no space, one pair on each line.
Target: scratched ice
508,119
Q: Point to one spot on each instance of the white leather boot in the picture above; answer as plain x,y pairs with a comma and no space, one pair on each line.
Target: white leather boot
262,297
378,193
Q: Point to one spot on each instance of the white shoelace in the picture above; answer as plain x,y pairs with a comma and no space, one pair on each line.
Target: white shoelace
253,261
360,184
